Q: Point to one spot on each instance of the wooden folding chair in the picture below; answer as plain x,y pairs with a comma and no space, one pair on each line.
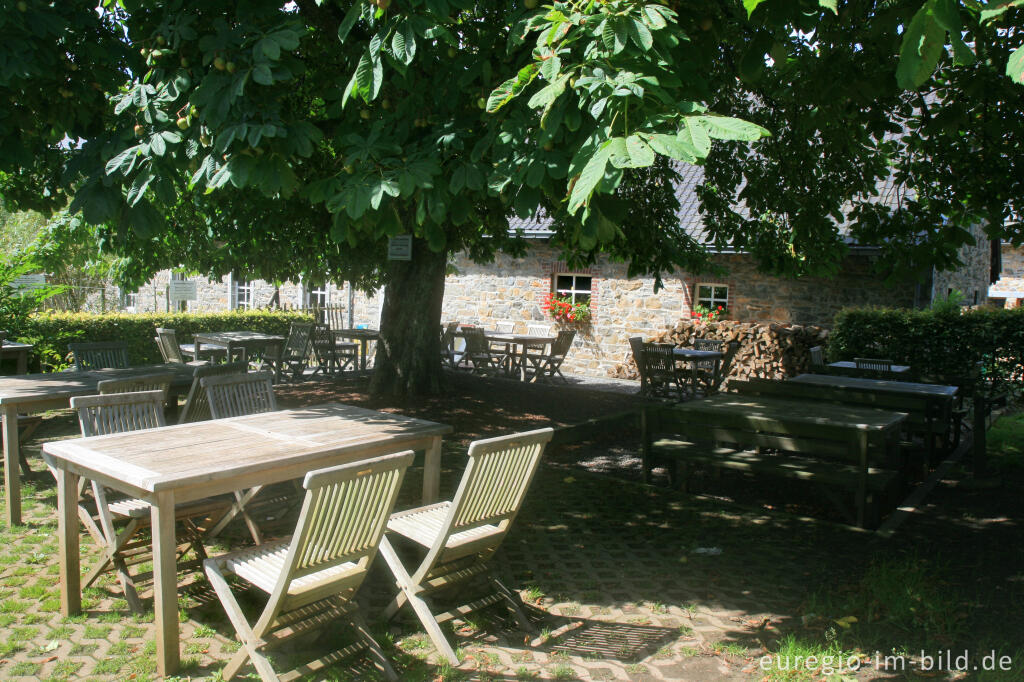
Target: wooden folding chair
312,577
99,355
197,406
332,355
548,365
481,357
636,345
295,355
171,350
662,374
461,536
117,413
234,395
817,357
448,345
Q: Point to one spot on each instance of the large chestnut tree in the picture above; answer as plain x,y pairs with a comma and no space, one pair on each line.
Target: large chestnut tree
287,139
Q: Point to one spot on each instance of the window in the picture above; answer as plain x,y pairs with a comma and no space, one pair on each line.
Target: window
712,295
576,288
179,306
243,294
129,301
316,295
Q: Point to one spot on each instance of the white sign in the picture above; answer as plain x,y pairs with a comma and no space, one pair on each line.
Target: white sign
179,290
400,247
29,281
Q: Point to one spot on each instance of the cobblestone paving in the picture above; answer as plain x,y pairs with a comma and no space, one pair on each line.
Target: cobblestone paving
625,582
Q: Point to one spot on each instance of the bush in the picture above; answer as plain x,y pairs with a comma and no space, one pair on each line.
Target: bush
51,332
939,343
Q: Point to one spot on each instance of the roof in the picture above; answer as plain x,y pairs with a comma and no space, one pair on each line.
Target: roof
690,177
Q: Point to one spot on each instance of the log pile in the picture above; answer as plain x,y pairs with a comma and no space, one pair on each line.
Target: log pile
767,350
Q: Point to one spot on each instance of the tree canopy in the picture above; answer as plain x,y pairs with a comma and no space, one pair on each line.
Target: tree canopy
289,139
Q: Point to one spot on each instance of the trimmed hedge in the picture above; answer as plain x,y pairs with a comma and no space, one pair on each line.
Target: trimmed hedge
938,344
51,332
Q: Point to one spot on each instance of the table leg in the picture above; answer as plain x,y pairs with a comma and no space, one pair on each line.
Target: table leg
22,361
165,584
362,355
12,466
432,471
67,536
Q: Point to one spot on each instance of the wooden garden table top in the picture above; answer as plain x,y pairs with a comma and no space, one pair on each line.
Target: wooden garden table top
885,385
766,409
174,464
36,392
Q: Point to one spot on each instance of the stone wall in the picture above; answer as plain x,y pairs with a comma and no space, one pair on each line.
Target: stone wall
1011,280
513,289
971,280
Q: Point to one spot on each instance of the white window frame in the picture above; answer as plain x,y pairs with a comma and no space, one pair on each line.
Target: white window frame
179,276
322,295
573,291
243,291
712,302
129,300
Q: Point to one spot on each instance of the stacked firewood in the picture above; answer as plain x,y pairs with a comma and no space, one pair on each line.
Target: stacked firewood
767,350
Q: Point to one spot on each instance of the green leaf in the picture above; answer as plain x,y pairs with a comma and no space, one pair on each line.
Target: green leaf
672,147
262,75
830,4
751,5
269,48
550,68
652,15
157,144
1015,66
618,155
727,128
641,155
504,93
694,134
138,188
364,74
921,49
350,20
398,47
588,178
641,35
549,93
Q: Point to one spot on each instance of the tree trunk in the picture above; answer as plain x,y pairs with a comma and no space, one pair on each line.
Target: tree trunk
408,358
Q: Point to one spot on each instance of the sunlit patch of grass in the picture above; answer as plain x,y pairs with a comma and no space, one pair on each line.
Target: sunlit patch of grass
96,631
1005,443
65,669
790,663
25,669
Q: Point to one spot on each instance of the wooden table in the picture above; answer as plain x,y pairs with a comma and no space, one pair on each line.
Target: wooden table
38,392
693,356
175,464
247,340
884,385
851,365
520,343
18,351
363,336
870,428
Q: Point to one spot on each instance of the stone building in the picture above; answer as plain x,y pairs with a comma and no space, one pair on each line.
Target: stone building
1009,288
513,289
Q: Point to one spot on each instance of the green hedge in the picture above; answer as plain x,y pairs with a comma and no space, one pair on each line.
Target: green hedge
937,344
52,331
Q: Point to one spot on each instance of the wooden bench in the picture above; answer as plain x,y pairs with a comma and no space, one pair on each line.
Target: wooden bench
928,415
829,455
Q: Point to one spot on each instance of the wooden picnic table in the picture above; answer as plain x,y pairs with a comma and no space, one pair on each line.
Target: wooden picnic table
692,356
186,462
363,336
851,365
29,393
250,341
18,351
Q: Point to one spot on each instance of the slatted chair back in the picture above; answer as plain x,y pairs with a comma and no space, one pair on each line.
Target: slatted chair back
99,355
344,514
707,344
334,317
538,330
636,344
197,405
505,327
563,342
167,342
817,356
476,341
119,412
492,488
731,349
157,381
296,346
875,364
239,394
658,358
448,335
